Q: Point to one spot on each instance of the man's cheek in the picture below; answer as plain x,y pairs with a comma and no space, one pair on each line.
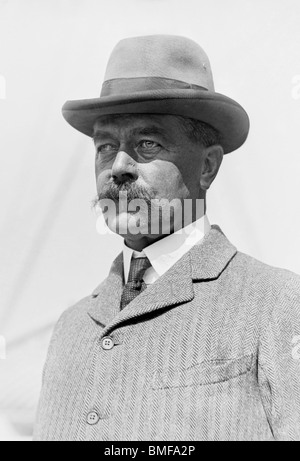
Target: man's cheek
165,179
102,165
102,177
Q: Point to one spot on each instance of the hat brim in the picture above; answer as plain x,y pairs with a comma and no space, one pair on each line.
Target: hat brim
221,112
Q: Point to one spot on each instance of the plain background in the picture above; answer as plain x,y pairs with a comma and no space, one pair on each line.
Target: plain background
51,255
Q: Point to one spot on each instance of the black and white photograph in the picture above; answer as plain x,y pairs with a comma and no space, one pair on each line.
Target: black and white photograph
150,245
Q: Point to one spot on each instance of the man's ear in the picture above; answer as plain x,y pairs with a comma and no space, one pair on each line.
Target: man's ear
212,159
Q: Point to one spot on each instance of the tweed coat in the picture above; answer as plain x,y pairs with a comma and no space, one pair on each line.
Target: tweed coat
210,351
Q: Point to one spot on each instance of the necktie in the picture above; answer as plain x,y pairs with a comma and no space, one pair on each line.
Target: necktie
135,284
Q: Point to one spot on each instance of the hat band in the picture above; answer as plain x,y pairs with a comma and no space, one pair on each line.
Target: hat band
132,85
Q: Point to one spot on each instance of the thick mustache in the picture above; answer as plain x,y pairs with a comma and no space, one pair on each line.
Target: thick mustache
134,191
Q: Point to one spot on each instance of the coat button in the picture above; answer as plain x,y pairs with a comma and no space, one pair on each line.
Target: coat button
107,343
93,418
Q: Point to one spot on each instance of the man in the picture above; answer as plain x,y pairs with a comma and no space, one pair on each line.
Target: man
187,339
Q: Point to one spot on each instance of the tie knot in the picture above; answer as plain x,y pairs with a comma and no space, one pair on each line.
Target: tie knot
138,268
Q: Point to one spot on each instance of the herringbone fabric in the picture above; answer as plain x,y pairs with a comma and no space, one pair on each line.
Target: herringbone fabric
210,351
135,284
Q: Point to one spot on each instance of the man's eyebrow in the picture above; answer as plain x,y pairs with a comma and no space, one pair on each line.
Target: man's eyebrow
144,131
101,134
148,130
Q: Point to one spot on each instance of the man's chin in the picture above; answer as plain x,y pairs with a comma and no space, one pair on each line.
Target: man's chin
125,224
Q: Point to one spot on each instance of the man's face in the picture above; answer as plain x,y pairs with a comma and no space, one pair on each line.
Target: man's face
149,157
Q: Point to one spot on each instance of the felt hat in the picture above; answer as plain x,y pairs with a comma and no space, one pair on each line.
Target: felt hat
161,74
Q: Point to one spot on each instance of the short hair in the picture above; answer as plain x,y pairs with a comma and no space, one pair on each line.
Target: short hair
199,132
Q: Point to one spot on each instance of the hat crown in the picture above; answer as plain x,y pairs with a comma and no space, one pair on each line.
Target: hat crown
164,75
165,56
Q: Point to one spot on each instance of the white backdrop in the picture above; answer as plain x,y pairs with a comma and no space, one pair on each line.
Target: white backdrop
51,255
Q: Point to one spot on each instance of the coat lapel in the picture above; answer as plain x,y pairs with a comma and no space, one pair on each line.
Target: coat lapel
205,261
105,299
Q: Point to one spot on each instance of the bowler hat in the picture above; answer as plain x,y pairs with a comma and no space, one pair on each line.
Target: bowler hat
162,74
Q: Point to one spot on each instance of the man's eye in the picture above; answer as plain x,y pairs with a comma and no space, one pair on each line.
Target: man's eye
149,144
105,148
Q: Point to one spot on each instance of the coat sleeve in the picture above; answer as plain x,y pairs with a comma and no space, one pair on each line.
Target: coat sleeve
279,364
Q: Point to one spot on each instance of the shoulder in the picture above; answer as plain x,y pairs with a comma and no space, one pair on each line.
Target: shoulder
74,313
73,325
78,311
77,316
277,288
265,274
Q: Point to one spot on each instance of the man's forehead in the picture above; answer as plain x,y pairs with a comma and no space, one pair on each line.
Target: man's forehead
144,122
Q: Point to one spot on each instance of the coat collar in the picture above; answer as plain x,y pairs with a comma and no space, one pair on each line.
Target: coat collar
211,256
205,261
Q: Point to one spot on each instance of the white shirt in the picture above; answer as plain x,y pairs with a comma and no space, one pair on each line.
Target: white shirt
164,253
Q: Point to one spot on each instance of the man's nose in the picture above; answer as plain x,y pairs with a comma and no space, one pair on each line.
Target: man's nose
124,168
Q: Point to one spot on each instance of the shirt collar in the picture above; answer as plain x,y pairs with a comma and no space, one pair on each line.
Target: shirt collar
163,253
